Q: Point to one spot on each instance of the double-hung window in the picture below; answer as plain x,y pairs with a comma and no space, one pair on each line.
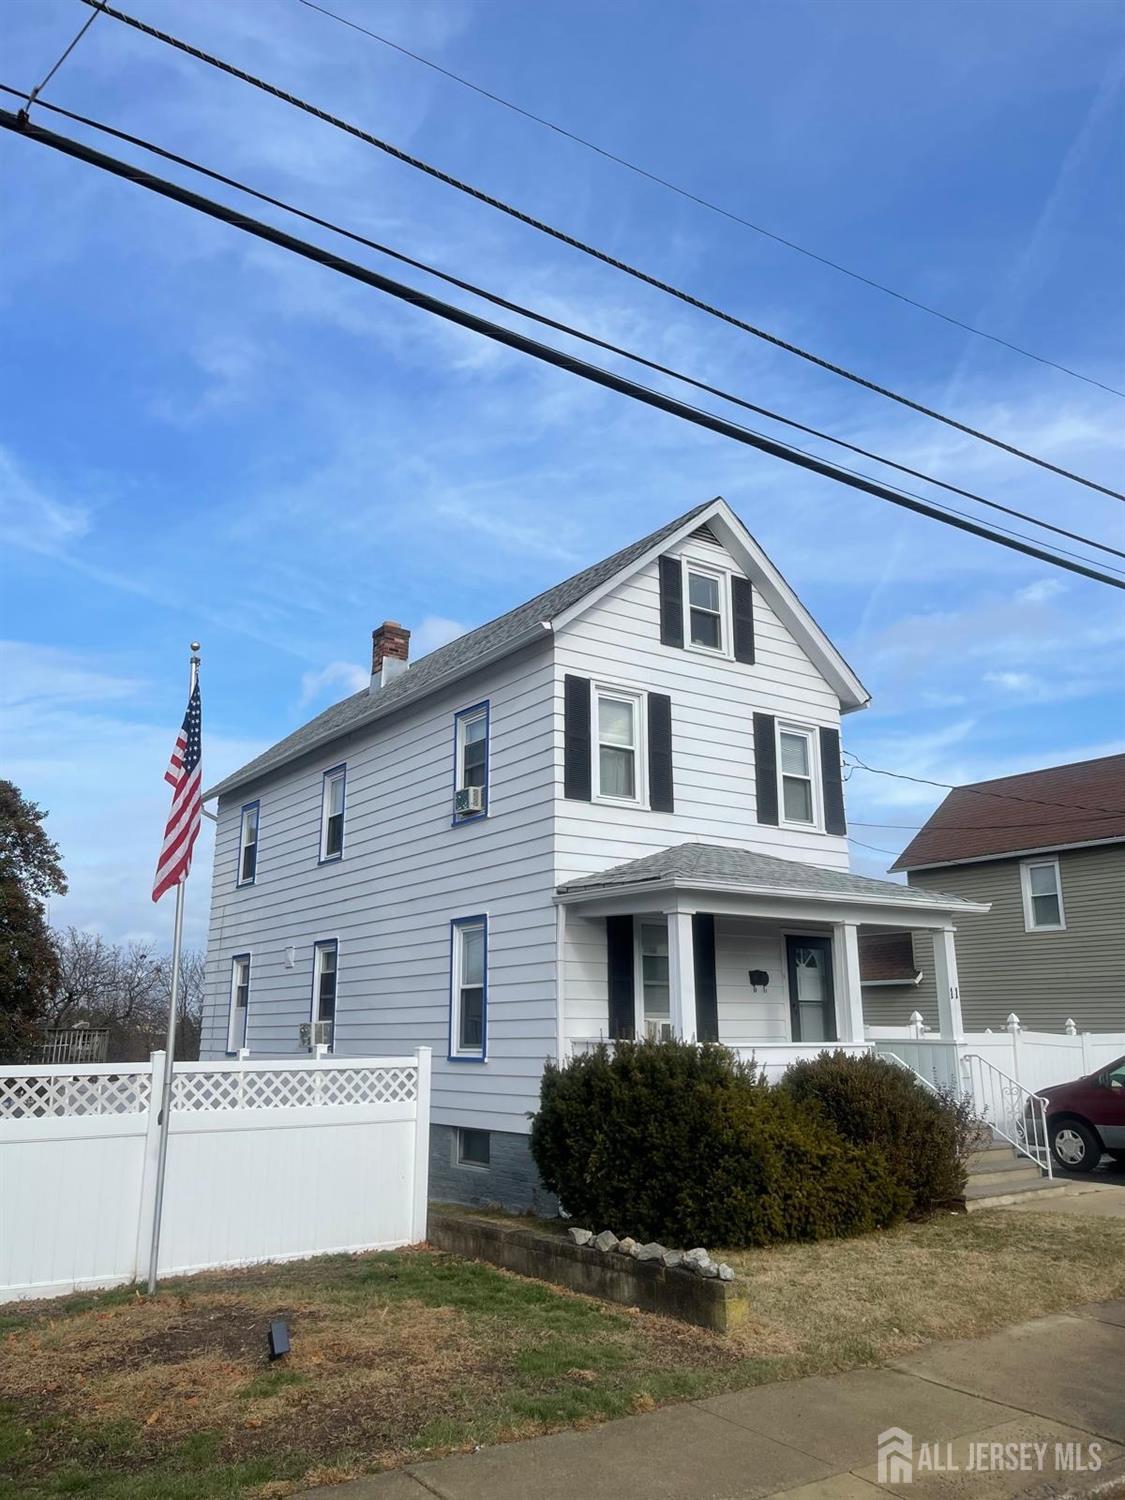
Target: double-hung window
248,844
469,989
471,762
326,963
332,814
1042,896
796,760
619,759
239,1001
705,597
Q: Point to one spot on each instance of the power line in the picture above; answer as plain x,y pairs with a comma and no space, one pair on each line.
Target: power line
949,786
702,202
544,352
601,255
82,30
985,827
569,330
875,849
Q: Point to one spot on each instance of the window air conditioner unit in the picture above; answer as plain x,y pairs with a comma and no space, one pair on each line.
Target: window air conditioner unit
315,1034
469,799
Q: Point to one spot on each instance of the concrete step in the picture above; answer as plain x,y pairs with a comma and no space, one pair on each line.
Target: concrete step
986,1183
999,1159
991,1195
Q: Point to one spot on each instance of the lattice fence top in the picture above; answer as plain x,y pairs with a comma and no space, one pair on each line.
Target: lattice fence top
40,1095
289,1088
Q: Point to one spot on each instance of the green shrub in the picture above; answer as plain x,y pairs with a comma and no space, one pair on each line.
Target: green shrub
685,1144
925,1138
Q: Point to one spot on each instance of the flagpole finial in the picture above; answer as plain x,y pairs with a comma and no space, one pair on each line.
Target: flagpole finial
195,645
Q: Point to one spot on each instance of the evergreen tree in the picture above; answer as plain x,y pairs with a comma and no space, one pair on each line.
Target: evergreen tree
30,872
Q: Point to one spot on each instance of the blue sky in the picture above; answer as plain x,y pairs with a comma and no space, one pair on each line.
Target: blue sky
201,437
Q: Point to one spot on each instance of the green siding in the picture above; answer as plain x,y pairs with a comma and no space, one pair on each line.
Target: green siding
1043,976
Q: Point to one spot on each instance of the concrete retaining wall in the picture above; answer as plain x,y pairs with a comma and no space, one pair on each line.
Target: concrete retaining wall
719,1305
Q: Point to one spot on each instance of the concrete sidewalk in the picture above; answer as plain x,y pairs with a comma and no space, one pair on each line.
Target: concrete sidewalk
1056,1380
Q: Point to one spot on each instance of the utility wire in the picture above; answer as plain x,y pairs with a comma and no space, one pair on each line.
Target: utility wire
567,329
601,255
715,208
875,849
82,30
980,791
19,124
984,827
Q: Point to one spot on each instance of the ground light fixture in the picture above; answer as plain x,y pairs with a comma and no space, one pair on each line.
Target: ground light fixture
278,1339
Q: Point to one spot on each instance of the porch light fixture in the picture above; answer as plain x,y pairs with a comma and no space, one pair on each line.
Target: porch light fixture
759,979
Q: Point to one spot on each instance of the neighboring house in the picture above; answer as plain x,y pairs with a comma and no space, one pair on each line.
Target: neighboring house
1046,852
889,976
616,810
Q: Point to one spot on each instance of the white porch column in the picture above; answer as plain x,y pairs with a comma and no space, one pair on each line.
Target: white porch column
681,975
952,1027
849,989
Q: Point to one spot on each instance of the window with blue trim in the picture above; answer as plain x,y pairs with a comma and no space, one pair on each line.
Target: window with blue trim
326,957
469,989
470,763
248,844
239,1001
332,814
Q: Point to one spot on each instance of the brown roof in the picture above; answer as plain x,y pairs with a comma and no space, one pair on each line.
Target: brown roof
886,956
1073,804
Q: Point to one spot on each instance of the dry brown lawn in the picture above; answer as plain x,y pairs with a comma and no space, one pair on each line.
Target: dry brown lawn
413,1354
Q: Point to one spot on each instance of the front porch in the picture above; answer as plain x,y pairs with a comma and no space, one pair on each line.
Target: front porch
757,953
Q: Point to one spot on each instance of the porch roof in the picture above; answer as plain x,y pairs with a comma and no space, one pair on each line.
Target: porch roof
712,867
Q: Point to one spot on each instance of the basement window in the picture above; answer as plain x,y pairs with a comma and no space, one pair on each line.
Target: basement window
474,1148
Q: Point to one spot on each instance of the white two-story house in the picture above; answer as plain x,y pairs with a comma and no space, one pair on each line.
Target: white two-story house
616,810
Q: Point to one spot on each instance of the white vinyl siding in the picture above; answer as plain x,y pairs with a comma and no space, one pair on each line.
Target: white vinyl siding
713,702
406,874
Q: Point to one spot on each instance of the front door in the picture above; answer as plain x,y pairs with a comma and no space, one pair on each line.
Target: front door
812,1000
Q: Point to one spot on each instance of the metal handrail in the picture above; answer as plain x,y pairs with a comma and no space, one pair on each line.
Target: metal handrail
894,1057
1016,1100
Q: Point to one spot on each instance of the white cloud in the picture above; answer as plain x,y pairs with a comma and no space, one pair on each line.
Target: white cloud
1014,682
434,631
31,518
1042,590
347,675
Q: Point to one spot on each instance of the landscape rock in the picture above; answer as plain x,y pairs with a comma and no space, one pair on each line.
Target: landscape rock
726,1273
693,1259
673,1258
651,1251
707,1268
581,1236
607,1240
627,1246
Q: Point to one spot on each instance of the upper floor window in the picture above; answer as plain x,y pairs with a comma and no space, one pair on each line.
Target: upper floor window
468,988
239,1002
1042,896
619,757
332,814
325,969
706,608
248,844
796,762
470,793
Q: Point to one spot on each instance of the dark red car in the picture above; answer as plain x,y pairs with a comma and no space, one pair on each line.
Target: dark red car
1087,1117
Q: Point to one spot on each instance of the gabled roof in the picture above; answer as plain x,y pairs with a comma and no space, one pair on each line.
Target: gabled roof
716,867
550,610
1079,803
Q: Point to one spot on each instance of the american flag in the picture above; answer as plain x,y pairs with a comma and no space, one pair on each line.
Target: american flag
184,773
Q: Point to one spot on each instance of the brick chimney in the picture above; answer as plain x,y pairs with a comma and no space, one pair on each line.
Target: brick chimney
390,649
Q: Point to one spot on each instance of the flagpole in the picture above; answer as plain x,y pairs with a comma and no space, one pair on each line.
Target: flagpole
170,1045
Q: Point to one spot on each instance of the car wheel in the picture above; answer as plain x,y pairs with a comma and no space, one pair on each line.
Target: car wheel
1075,1146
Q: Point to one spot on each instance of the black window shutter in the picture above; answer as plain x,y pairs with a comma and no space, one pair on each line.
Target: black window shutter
706,988
742,610
832,782
660,793
576,738
622,1002
765,767
671,601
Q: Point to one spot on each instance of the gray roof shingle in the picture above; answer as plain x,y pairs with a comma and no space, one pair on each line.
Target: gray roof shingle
447,663
712,864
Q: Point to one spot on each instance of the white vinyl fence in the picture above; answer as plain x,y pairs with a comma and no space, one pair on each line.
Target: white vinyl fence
266,1161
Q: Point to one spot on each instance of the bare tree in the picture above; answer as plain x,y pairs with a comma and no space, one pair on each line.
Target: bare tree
126,989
